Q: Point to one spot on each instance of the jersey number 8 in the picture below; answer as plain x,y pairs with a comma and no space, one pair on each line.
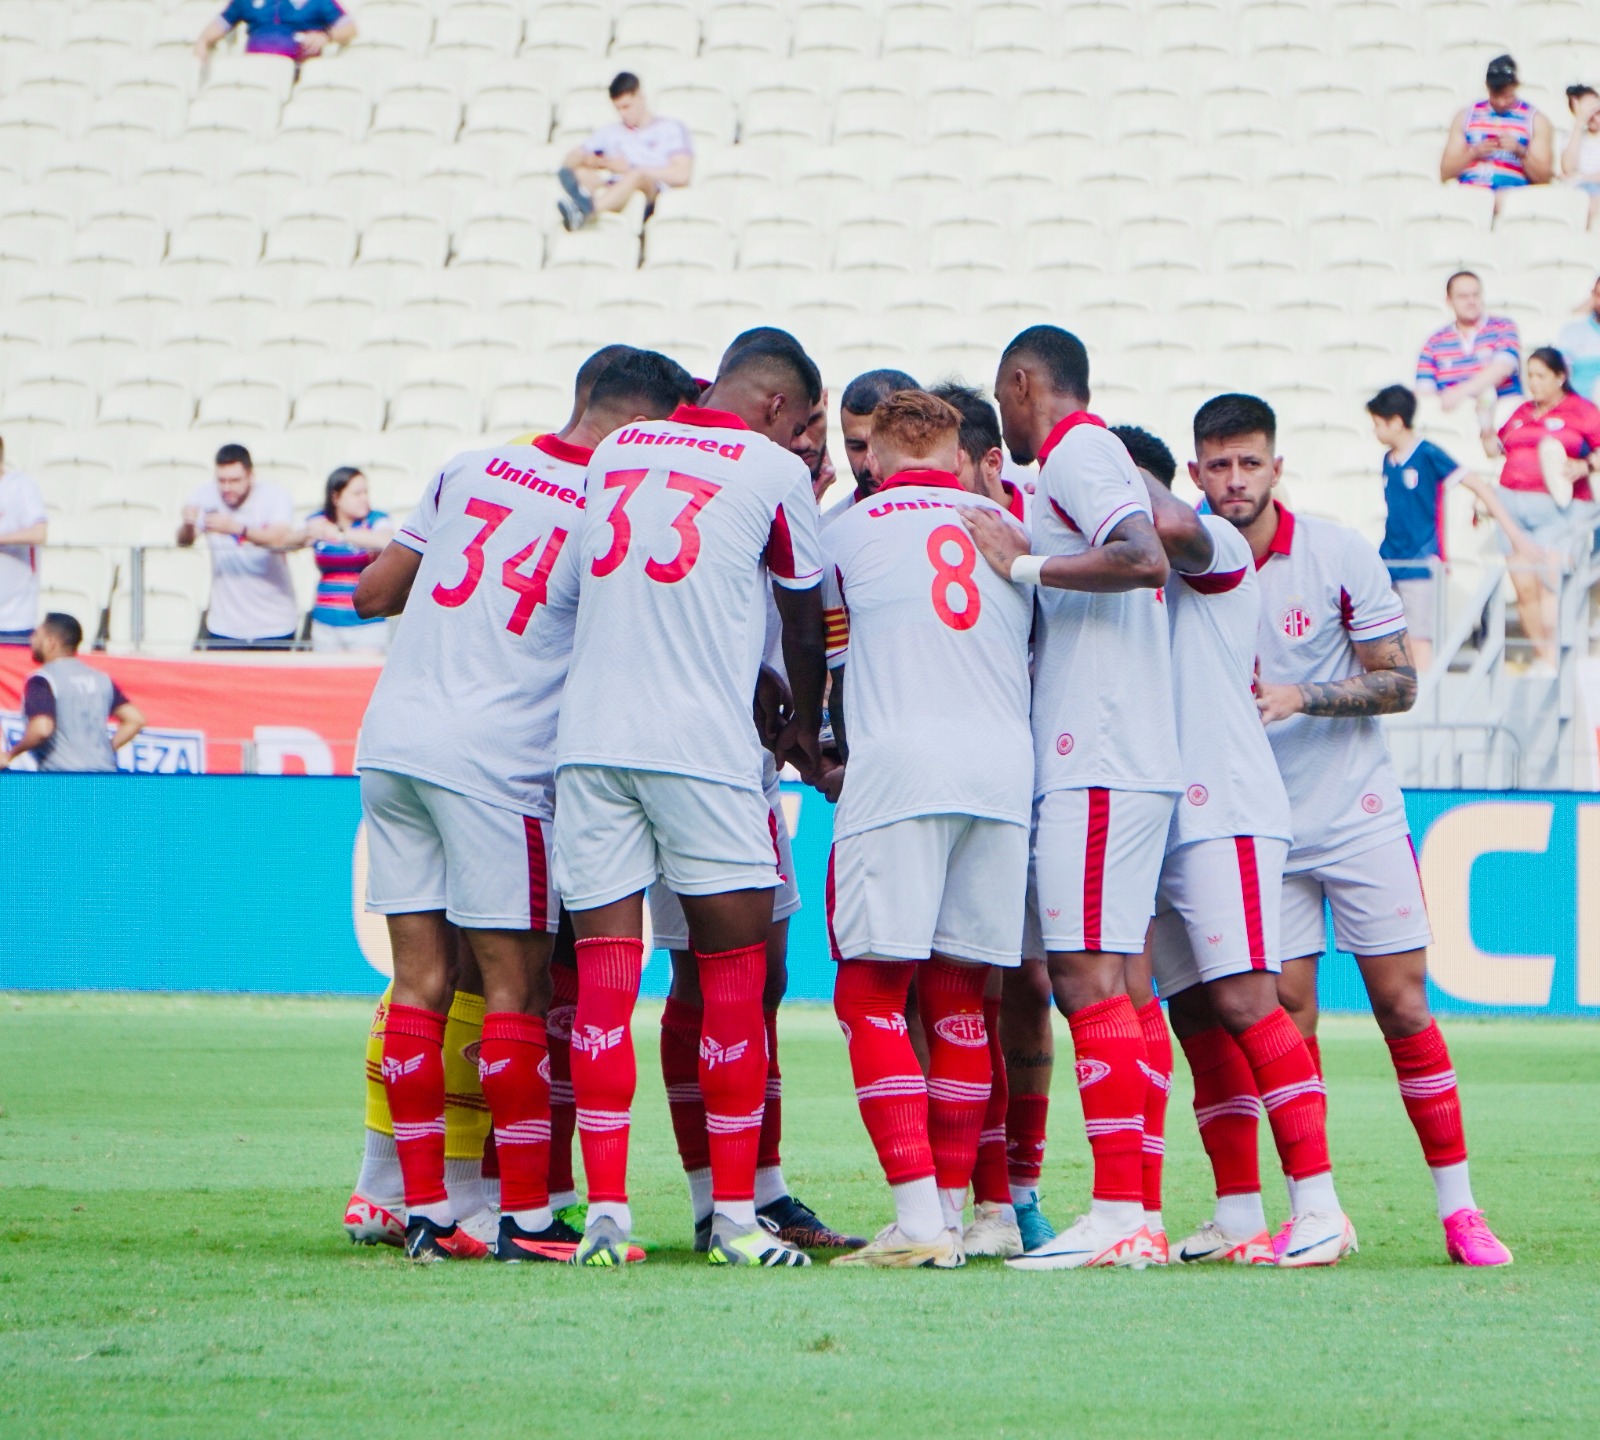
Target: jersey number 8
948,577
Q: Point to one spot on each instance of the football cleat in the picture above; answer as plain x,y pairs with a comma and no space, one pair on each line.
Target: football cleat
795,1221
427,1241
556,1242
702,1235
1160,1253
1469,1240
574,1215
1280,1239
482,1225
758,1244
1211,1244
605,1245
1088,1245
1033,1227
371,1222
1319,1237
991,1232
892,1249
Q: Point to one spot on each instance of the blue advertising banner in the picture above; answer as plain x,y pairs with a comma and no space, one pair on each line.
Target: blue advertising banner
254,883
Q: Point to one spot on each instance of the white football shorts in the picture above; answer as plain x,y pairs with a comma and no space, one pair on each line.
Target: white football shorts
1217,911
429,848
1376,899
1096,860
671,930
946,884
625,829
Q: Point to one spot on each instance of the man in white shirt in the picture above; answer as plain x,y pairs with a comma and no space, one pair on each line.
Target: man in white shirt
243,520
640,153
24,526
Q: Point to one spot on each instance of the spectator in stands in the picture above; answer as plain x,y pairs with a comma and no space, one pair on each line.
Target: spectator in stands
66,703
1579,344
1580,156
297,29
640,154
1468,364
861,397
1500,142
247,524
344,537
24,526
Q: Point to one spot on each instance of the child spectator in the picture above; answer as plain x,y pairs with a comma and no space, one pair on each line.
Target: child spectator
1580,156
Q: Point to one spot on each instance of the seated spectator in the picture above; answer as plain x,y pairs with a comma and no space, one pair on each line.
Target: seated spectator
641,154
298,29
247,523
1580,156
66,703
24,526
1469,364
1500,142
344,537
1579,344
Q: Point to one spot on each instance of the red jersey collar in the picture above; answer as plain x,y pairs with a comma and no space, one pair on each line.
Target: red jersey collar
1283,541
1057,435
936,479
558,449
711,419
1014,501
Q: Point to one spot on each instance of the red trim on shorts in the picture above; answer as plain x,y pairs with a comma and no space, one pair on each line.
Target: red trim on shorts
538,875
1094,865
1417,861
777,854
827,905
1250,891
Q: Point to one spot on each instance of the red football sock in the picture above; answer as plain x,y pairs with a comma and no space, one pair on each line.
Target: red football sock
1291,1091
768,1154
511,1062
1428,1087
680,1070
413,1078
869,997
1226,1109
1315,1047
1026,1118
1109,1047
563,1108
1158,1085
604,1074
733,1066
989,1179
951,997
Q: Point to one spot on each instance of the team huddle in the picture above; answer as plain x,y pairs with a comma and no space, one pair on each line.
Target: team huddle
1086,744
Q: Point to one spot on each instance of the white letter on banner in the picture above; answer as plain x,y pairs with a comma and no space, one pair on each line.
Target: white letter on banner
276,743
1457,839
372,931
1588,878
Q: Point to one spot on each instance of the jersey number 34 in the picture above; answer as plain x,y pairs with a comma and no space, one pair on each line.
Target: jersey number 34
531,589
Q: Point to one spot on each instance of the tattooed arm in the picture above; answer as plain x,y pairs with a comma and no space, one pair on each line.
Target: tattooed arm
1388,686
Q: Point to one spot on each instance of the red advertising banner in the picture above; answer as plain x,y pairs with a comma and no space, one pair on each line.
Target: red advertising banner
220,715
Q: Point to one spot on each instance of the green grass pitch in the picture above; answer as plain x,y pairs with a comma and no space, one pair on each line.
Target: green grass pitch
171,1264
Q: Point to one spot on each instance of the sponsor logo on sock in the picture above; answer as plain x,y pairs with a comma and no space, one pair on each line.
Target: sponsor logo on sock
487,1068
966,1030
1155,1077
895,1024
1091,1071
394,1069
591,1040
714,1053
558,1023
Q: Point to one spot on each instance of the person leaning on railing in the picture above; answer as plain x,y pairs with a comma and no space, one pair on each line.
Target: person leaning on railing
344,536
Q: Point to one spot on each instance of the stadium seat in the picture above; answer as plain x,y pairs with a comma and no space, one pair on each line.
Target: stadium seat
567,30
152,403
243,404
611,245
476,32
1013,32
739,31
404,29
837,29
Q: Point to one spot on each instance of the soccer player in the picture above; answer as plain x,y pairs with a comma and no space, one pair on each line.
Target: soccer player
660,767
928,872
1333,657
582,385
1106,766
456,760
861,397
1214,940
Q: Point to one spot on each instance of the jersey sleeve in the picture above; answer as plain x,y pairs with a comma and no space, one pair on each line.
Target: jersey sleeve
835,617
38,698
1230,560
1445,469
1091,482
30,503
118,699
1369,609
415,533
1428,365
1589,428
794,544
236,12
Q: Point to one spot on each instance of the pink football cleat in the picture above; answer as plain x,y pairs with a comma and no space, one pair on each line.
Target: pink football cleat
1469,1241
1280,1239
367,1222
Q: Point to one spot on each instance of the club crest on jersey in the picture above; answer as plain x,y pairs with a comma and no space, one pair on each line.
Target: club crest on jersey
1197,794
1064,744
558,1023
1372,804
895,1024
486,1068
1296,623
965,1030
714,1053
593,1041
1091,1072
1053,914
394,1069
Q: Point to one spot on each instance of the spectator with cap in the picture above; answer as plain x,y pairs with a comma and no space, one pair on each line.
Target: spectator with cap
65,706
639,154
1579,344
296,29
1499,142
1468,365
24,526
345,536
1580,156
247,524
861,397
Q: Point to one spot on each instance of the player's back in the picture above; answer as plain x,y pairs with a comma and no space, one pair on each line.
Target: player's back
686,518
471,688
935,649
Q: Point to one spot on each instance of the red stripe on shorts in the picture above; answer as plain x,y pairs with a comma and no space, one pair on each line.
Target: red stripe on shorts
827,905
777,853
1094,865
538,875
1250,891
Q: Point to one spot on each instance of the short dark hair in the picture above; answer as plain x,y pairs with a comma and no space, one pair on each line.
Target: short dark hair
1554,361
592,369
235,455
1577,92
1062,354
1226,417
1148,452
1501,73
1394,402
871,388
775,353
337,480
624,82
1450,284
645,378
980,425
64,627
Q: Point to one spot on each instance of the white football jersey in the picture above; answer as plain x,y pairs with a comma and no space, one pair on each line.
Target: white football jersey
935,646
470,691
1323,587
1232,786
1102,676
686,520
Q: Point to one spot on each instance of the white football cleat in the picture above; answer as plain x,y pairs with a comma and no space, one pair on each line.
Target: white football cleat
892,1249
991,1233
1087,1245
375,1222
1211,1244
1319,1237
484,1225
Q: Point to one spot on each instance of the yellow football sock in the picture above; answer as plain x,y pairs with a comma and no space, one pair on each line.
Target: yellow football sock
466,1116
378,1117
